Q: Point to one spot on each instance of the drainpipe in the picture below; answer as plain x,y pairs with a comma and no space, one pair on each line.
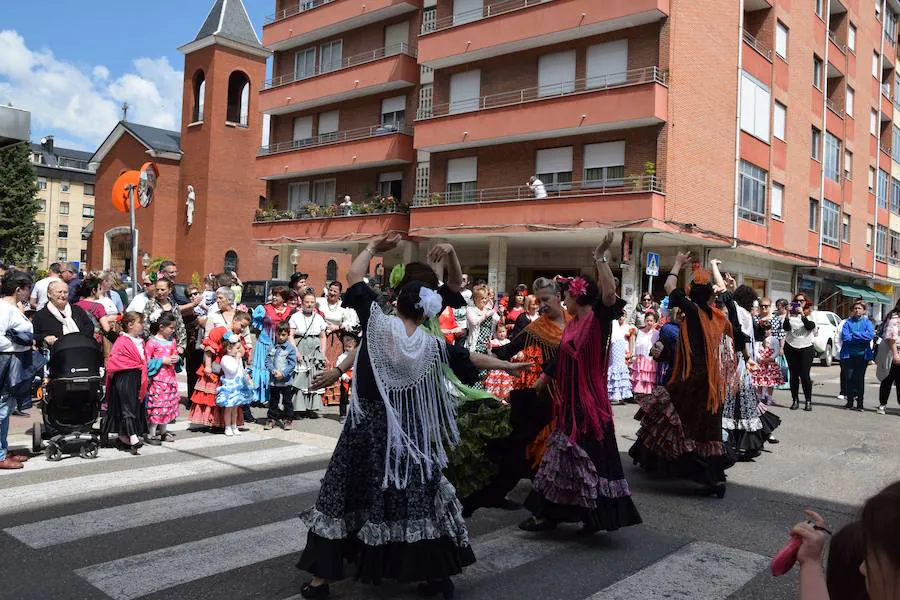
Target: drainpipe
737,127
878,140
825,131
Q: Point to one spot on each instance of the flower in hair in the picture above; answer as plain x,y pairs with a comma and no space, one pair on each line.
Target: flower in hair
242,308
397,275
430,302
578,287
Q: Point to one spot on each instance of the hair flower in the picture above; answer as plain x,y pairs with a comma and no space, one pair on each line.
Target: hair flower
397,275
243,308
430,302
578,287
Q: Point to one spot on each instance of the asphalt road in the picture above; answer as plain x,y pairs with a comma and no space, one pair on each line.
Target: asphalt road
212,517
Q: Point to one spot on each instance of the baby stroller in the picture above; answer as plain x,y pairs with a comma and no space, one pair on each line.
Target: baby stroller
71,399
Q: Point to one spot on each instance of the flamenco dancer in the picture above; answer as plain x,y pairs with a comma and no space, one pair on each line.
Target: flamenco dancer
681,423
581,479
384,502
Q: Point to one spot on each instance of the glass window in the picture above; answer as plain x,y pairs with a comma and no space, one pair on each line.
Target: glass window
884,181
755,102
781,40
895,196
87,211
752,206
84,257
777,199
463,191
819,7
330,56
870,233
42,205
89,189
63,208
63,232
890,26
305,63
324,192
848,164
62,254
851,37
881,236
817,71
778,120
871,179
816,143
813,223
845,229
606,176
831,214
42,183
875,62
873,122
64,187
848,105
832,157
894,252
895,143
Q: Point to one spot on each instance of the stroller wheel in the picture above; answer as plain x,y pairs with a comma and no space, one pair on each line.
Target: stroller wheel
53,452
90,450
37,444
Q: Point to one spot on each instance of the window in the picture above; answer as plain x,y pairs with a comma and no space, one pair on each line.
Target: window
881,235
302,131
238,107
813,222
819,7
330,56
873,122
323,192
63,208
777,200
298,196
199,94
231,261
553,167
328,125
423,174
884,181
62,254
817,71
871,179
426,101
64,187
84,256
275,262
895,143
42,183
832,157
604,164
429,19
816,144
73,163
894,250
755,102
778,120
462,177
851,37
305,63
890,26
41,230
89,189
465,11
87,211
391,184
875,62
465,89
37,158
393,112
848,105
556,73
85,235
63,232
752,203
870,233
607,64
845,229
831,214
331,270
895,196
42,205
396,38
781,40
878,9
848,164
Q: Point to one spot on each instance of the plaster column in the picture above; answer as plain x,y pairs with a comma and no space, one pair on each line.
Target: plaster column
632,267
497,263
285,268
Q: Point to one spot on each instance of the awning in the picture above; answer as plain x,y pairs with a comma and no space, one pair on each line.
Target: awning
861,291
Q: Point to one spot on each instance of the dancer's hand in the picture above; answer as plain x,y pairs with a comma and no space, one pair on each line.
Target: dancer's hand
730,283
324,379
681,259
604,245
516,368
439,252
384,243
715,262
752,366
813,539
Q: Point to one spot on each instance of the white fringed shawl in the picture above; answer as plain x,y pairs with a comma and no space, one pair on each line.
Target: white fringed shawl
419,408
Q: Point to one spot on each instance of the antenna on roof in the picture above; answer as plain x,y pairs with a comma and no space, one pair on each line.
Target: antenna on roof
125,111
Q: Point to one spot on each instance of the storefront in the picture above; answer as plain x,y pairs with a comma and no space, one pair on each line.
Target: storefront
839,296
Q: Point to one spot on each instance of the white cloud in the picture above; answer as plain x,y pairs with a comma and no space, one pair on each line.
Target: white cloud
83,103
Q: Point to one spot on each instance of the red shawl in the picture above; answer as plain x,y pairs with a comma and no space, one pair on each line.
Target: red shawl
124,356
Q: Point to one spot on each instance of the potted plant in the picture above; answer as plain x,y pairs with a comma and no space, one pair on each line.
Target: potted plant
313,210
328,211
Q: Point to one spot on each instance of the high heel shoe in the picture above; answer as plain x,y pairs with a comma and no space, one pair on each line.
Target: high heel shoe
795,405
315,591
443,587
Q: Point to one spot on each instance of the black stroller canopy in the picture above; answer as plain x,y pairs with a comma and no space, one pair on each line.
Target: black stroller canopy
75,353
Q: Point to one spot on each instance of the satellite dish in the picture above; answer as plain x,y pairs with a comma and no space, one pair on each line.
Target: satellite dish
147,184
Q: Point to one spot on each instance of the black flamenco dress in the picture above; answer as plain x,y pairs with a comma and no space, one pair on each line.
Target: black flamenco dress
410,533
581,479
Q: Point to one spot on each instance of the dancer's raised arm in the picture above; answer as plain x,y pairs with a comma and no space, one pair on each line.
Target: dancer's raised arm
681,259
360,265
606,281
445,254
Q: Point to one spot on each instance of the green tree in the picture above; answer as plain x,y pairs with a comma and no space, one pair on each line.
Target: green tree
18,205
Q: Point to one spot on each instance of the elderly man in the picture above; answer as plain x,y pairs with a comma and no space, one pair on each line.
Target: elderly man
59,318
169,270
69,273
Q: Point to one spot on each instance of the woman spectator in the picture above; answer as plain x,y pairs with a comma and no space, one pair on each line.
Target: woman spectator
89,300
857,334
194,326
109,296
266,318
18,363
481,319
160,303
126,386
308,332
59,318
889,339
798,349
645,305
778,335
531,314
338,321
517,309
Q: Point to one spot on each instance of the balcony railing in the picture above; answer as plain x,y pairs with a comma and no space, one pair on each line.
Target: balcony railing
757,45
886,90
556,90
489,10
833,37
337,137
833,108
574,189
312,210
299,7
344,63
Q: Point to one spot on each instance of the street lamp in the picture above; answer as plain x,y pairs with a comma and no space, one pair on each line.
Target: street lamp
295,258
145,260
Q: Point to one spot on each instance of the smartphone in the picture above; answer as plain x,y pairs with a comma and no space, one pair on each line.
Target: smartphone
795,307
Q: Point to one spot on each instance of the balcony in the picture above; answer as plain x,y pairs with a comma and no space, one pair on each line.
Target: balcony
374,72
632,198
326,231
509,26
754,43
311,20
376,146
635,98
832,37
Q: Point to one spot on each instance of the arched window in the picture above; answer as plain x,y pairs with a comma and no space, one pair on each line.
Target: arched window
231,261
331,271
199,95
238,99
275,264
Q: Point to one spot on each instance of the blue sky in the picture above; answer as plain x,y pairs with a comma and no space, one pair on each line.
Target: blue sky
74,63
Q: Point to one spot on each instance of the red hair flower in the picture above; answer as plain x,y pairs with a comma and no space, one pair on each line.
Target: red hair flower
578,287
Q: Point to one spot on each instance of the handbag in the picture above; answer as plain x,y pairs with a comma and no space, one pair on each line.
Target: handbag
884,360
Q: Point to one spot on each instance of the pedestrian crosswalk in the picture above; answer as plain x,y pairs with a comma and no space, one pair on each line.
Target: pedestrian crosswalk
220,513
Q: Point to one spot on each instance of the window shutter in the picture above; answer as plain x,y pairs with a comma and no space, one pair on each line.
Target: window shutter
609,154
395,104
461,170
556,73
554,160
607,63
328,122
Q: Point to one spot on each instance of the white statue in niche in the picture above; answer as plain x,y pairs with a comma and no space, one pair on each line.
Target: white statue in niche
190,205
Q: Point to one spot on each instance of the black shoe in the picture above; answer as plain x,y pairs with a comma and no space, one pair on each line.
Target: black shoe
807,406
20,413
795,405
311,414
587,530
444,587
315,591
717,490
531,524
153,441
849,404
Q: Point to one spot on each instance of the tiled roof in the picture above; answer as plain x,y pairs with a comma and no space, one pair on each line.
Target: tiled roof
228,19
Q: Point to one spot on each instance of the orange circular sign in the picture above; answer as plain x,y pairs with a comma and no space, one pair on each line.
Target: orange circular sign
120,190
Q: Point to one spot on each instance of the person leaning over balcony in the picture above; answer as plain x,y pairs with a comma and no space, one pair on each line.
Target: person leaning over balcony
537,187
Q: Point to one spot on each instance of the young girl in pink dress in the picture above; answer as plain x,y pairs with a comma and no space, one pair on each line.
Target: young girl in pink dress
162,394
643,368
499,383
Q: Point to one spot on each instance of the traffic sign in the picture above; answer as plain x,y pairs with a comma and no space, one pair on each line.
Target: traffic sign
652,264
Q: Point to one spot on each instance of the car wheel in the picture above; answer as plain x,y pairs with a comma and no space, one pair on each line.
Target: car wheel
828,356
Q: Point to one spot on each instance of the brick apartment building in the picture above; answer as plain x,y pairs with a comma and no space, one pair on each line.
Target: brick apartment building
761,132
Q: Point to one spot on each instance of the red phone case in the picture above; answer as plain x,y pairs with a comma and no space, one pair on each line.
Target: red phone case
786,557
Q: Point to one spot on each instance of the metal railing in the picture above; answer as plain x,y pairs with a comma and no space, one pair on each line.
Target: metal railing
477,14
300,7
833,108
574,189
344,63
886,90
556,90
757,45
833,37
323,139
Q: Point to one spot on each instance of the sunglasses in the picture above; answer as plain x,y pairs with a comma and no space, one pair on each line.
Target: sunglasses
765,305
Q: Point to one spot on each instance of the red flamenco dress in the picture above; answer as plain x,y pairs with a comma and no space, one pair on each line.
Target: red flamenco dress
203,403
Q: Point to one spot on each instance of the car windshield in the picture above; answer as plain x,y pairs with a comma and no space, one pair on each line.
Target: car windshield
254,292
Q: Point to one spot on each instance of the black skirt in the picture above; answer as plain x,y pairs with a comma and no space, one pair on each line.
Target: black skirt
125,412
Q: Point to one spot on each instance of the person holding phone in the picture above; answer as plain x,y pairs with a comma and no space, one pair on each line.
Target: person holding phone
798,349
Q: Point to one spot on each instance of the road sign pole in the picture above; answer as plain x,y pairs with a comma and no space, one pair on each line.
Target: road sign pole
650,286
134,245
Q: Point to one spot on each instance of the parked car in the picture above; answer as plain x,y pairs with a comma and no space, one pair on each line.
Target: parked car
826,340
257,292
